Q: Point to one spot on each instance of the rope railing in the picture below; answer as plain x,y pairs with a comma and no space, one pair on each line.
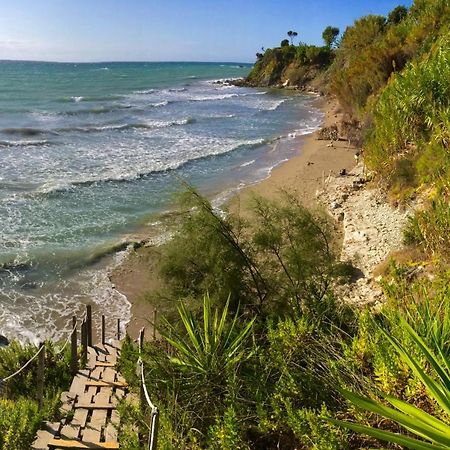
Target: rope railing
69,337
86,341
146,402
41,348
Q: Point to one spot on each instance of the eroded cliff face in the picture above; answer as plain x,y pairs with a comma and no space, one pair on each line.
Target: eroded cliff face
279,67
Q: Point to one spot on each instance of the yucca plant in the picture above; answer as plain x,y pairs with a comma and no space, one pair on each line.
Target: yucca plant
210,346
433,432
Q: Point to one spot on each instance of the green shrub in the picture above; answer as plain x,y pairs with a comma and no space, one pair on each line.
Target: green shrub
19,422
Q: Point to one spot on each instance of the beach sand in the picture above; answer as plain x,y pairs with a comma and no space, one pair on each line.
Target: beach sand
302,176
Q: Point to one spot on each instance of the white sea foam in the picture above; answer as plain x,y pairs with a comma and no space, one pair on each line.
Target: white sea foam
77,99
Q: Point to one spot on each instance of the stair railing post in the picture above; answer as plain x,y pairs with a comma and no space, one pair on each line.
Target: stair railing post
153,441
89,324
84,343
103,330
118,329
40,375
155,317
73,348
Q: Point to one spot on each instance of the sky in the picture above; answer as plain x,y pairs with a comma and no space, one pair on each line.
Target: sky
168,30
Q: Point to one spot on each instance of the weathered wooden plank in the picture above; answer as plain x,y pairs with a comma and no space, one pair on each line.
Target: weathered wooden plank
70,431
95,406
85,398
78,382
113,384
104,364
97,373
111,433
80,417
93,430
115,418
104,396
109,374
67,400
63,443
92,358
44,436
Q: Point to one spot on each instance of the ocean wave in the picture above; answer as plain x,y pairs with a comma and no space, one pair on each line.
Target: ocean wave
144,92
25,143
57,187
159,104
25,131
128,126
248,163
97,110
89,98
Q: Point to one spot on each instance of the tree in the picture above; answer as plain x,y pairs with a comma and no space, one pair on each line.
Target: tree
330,35
284,43
292,35
397,14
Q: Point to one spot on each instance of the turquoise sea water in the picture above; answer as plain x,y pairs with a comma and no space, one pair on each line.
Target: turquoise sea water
91,152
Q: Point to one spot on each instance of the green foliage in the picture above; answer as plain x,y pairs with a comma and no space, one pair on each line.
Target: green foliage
433,431
214,346
284,43
208,254
19,422
430,228
330,35
20,416
372,49
397,15
225,434
285,255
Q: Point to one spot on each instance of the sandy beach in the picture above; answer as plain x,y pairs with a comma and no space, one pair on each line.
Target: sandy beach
302,175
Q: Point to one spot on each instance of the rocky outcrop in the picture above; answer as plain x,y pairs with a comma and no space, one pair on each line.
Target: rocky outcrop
372,229
4,342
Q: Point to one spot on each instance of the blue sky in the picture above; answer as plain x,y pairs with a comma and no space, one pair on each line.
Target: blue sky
167,30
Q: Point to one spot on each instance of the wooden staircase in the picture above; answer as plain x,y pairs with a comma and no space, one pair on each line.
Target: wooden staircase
90,418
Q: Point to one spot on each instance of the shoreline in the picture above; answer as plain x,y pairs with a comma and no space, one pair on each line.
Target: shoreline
302,175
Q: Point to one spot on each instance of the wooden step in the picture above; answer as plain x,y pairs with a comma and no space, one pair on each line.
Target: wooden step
64,443
44,436
95,406
104,364
119,384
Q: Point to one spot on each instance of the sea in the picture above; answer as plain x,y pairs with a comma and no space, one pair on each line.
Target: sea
90,153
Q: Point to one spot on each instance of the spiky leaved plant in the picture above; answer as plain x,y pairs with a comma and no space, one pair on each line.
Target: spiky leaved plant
432,433
209,347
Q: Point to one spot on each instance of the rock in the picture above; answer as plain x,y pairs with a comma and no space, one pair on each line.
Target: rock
335,205
341,217
4,342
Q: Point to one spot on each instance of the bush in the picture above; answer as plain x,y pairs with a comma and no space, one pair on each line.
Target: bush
19,422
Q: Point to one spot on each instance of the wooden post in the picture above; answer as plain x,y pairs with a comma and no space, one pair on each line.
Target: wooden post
118,329
89,324
153,441
141,339
84,343
73,348
40,375
155,316
103,330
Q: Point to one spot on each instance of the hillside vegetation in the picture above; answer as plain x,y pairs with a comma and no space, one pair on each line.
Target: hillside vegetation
263,354
257,351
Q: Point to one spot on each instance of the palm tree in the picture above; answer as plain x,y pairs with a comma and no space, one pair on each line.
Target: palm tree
292,35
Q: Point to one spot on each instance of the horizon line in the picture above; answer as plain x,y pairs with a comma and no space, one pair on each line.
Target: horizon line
122,61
